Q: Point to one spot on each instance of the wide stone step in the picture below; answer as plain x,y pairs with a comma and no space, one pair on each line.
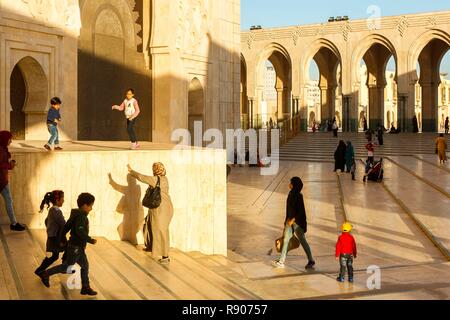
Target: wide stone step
20,251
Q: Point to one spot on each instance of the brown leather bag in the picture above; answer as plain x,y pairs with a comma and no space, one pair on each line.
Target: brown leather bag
294,243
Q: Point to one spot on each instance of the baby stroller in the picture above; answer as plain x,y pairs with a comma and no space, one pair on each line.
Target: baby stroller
376,172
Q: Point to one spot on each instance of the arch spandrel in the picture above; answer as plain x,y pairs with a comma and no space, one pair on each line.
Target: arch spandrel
364,46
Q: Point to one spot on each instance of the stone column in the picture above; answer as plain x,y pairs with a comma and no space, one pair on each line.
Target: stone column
287,106
429,106
280,108
376,105
325,108
404,122
349,121
250,113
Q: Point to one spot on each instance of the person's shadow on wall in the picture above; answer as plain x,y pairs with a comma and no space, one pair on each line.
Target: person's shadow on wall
131,208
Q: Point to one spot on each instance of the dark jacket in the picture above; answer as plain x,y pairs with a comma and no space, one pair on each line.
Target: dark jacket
5,156
55,223
78,225
5,166
295,208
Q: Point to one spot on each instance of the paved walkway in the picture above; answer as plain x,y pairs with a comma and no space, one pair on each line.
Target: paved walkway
387,237
400,226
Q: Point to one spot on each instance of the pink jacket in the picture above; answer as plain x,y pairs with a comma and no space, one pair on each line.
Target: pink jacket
136,107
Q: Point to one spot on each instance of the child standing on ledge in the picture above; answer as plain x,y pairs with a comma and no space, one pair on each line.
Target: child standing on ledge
53,118
131,108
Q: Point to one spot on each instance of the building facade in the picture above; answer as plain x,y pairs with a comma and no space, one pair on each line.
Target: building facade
411,40
181,57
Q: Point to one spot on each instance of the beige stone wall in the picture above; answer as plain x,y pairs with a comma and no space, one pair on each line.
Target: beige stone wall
40,37
203,44
197,188
90,51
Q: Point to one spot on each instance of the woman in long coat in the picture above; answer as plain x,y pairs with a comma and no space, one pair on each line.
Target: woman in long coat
349,156
161,216
441,146
339,157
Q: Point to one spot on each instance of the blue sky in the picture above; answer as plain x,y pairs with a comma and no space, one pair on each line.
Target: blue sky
270,13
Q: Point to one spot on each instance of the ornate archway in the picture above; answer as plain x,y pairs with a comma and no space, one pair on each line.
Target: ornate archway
29,94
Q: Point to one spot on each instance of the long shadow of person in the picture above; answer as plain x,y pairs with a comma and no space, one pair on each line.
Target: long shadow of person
131,208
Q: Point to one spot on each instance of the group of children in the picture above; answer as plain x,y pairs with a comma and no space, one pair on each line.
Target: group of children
57,227
130,106
74,249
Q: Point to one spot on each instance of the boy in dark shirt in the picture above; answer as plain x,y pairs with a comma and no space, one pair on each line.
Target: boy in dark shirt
78,225
53,118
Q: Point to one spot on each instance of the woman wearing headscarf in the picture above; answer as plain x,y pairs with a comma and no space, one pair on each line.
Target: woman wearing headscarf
339,157
7,164
161,216
441,147
349,156
295,223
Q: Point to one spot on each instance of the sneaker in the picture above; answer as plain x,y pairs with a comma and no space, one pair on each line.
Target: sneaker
350,280
45,279
88,291
340,279
310,265
164,261
133,146
278,264
58,148
48,147
137,146
17,227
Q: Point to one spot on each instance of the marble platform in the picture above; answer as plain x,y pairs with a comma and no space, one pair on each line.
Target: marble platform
197,180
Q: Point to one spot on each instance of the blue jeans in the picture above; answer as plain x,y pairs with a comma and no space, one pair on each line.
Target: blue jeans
54,135
6,194
288,233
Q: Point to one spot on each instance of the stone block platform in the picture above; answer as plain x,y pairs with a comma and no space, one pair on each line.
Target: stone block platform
197,179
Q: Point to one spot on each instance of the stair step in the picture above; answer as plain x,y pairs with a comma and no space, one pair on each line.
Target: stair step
25,260
40,239
231,288
178,285
145,286
8,290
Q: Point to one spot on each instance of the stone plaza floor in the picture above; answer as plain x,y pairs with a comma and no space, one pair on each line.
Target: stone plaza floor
400,226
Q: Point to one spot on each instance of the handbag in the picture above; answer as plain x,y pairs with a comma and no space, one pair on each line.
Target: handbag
147,233
294,243
152,198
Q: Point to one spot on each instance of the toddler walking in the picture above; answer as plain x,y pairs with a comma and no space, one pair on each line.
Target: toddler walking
346,252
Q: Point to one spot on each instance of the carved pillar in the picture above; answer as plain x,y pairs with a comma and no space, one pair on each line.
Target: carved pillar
429,106
404,123
325,108
376,105
349,121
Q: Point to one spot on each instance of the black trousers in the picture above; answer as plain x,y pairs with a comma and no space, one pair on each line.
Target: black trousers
74,255
131,130
48,261
335,133
346,262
